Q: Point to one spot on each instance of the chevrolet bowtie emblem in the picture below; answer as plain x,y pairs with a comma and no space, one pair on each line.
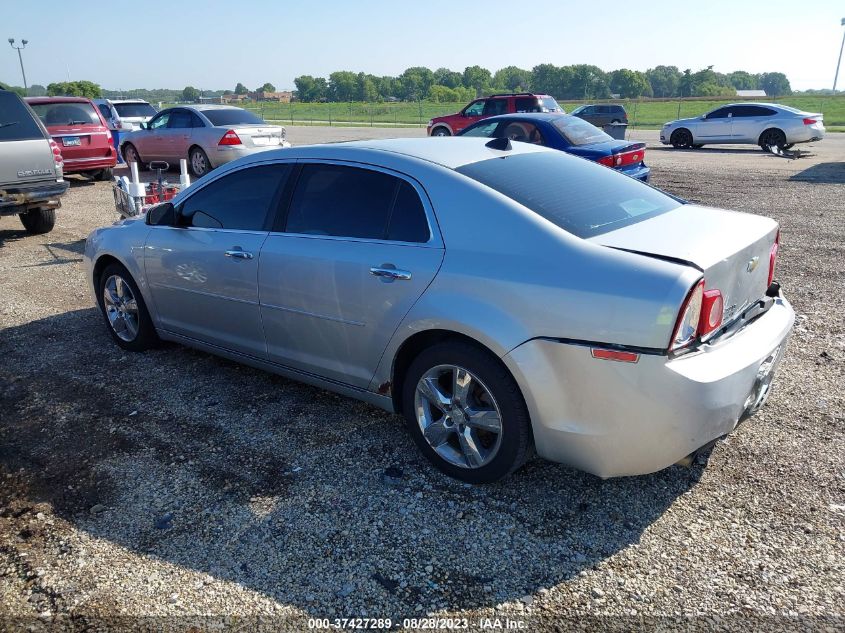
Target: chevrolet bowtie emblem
751,266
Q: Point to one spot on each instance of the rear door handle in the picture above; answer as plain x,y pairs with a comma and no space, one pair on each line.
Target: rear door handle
238,254
390,273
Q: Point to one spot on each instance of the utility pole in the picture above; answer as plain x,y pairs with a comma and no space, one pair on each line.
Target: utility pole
20,58
838,62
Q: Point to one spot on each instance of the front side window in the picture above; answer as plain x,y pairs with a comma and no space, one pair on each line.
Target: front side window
160,121
721,113
579,196
67,113
341,201
239,201
474,109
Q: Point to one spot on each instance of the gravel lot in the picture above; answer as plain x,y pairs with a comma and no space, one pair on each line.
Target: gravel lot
174,483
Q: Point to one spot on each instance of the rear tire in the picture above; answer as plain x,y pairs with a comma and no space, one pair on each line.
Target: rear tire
487,424
441,131
198,161
38,221
772,138
125,312
681,138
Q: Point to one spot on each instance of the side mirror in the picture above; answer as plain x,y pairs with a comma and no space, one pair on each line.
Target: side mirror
163,214
144,126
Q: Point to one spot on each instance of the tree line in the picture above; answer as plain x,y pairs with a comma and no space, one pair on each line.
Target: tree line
575,82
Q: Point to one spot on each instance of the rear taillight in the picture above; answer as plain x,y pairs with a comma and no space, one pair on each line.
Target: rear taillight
701,313
57,154
712,308
810,121
773,256
623,159
230,138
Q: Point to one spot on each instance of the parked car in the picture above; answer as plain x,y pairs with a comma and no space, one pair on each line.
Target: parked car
763,124
207,135
80,132
125,114
602,114
569,134
31,181
493,105
504,296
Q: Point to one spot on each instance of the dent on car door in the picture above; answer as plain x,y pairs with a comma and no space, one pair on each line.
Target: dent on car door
358,250
203,272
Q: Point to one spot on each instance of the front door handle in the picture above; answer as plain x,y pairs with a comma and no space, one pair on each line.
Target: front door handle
238,254
390,273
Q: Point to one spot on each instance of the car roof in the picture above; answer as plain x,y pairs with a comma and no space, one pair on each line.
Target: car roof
209,106
128,101
450,151
540,116
57,100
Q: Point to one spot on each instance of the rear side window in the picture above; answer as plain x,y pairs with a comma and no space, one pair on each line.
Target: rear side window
180,119
341,201
105,111
752,111
528,105
16,120
239,201
577,195
495,106
67,113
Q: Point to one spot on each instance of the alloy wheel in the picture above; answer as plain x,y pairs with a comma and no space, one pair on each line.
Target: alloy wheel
198,163
458,416
121,308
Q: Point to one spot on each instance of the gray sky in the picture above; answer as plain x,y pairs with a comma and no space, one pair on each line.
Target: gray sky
214,44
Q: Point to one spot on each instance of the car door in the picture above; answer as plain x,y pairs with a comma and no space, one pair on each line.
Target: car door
715,126
359,247
177,136
203,272
150,142
472,113
749,121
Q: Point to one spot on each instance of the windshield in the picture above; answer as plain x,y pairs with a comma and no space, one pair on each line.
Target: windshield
578,109
232,116
16,121
577,195
580,132
550,105
66,113
134,109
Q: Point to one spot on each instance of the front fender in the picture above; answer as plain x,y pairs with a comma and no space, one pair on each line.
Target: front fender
123,242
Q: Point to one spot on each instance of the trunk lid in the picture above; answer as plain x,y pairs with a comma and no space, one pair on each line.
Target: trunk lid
260,135
731,249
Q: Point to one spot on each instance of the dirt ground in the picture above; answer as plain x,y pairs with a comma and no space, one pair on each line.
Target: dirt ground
178,485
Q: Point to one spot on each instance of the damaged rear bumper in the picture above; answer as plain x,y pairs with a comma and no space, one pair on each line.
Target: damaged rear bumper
20,199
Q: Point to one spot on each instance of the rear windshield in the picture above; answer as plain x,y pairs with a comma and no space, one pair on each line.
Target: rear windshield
580,132
67,113
577,195
134,109
232,116
550,105
16,121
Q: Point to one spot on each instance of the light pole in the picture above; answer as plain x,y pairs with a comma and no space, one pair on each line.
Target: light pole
840,57
20,58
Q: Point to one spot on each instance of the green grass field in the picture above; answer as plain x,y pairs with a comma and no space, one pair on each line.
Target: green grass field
641,114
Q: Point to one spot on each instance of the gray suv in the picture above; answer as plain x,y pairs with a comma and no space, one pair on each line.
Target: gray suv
31,178
601,115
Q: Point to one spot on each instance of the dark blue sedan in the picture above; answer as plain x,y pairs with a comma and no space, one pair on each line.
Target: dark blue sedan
569,134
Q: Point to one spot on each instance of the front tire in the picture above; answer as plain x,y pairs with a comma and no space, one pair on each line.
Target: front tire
466,413
38,221
124,310
441,131
131,155
681,139
198,160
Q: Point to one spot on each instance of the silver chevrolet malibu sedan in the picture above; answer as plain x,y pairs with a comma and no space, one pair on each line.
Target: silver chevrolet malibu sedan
505,298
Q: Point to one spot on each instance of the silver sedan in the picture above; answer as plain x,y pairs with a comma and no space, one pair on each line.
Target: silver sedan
503,297
206,135
765,124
